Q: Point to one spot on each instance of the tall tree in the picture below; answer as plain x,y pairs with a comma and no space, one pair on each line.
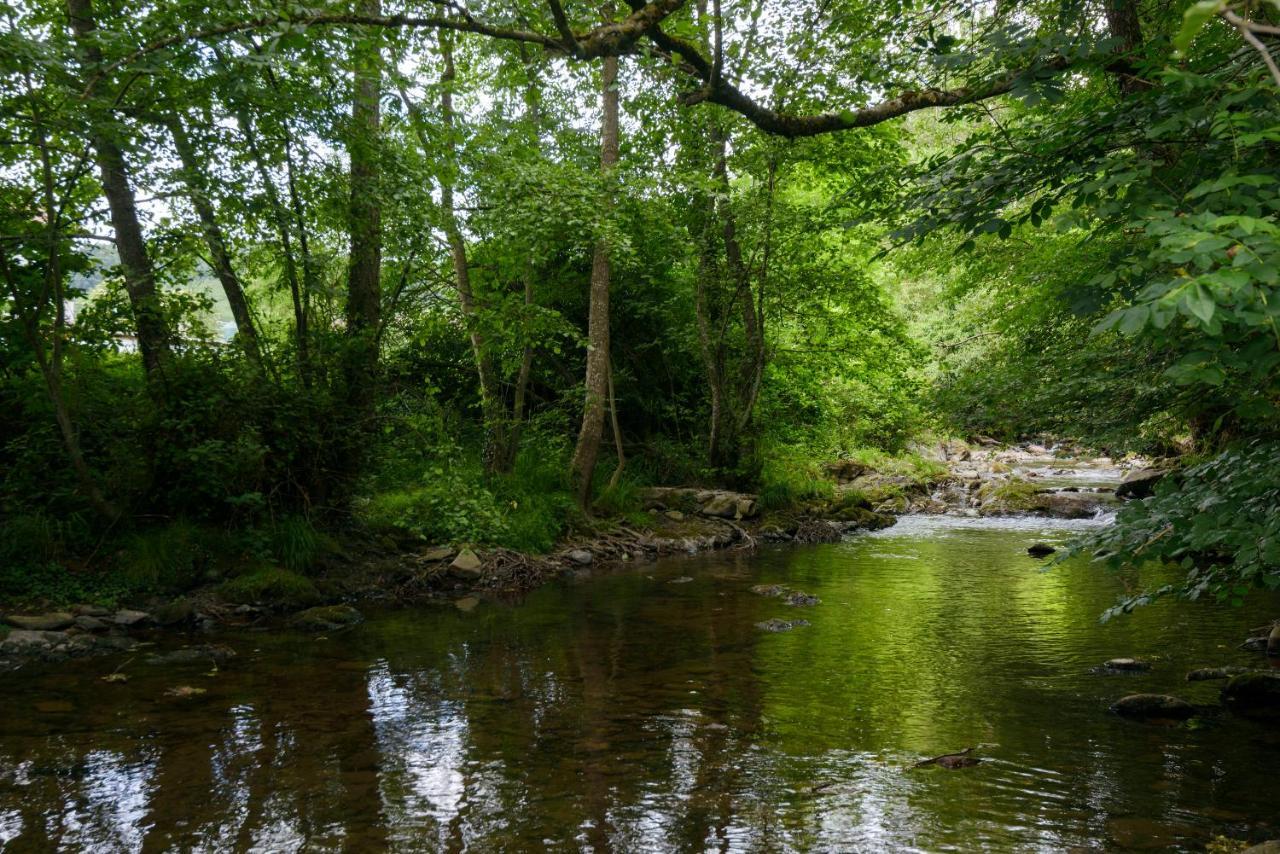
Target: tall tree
364,272
587,450
139,273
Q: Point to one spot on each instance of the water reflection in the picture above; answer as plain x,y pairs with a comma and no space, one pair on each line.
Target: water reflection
627,713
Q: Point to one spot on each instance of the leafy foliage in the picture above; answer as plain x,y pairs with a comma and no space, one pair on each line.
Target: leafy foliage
1216,519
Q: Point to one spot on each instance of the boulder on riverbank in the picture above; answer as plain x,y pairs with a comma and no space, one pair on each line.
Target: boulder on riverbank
52,622
1140,483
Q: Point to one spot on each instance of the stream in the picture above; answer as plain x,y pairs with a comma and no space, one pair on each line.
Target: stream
641,709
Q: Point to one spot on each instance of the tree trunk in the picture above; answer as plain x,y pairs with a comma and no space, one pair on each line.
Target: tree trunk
197,188
364,280
139,275
587,450
1126,28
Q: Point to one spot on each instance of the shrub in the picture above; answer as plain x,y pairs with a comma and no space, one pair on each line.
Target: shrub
166,558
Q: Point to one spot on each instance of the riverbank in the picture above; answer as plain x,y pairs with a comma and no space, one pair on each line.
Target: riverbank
981,479
380,572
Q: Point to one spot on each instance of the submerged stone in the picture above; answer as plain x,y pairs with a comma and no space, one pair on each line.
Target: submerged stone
1206,674
204,654
777,625
1040,550
1151,707
1255,695
326,618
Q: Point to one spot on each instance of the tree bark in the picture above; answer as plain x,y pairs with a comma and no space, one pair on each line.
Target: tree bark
587,451
139,274
197,189
364,279
1126,28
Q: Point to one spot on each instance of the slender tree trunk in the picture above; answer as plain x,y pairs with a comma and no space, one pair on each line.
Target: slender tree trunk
587,450
197,188
364,279
139,275
492,403
617,433
280,219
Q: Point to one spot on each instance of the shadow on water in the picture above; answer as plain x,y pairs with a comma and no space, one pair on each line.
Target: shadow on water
628,712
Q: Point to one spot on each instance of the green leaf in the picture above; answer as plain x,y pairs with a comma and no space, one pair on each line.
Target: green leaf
1194,20
1199,302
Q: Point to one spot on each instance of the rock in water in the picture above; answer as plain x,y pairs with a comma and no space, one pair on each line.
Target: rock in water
1273,641
125,617
800,599
206,654
770,590
1255,695
1205,674
326,618
1269,847
85,623
1153,707
1040,550
177,611
777,625
52,622
28,640
951,761
1140,483
1258,644
1131,665
581,557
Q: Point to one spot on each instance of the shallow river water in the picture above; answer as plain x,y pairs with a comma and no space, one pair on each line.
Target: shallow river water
643,710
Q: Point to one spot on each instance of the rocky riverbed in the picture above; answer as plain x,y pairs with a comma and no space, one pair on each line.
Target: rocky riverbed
987,479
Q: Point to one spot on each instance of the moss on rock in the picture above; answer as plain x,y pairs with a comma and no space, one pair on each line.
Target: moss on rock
270,585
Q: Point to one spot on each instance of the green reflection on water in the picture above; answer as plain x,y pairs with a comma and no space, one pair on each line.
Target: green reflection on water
626,712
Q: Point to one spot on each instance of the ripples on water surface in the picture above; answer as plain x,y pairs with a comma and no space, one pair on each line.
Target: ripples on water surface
624,712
